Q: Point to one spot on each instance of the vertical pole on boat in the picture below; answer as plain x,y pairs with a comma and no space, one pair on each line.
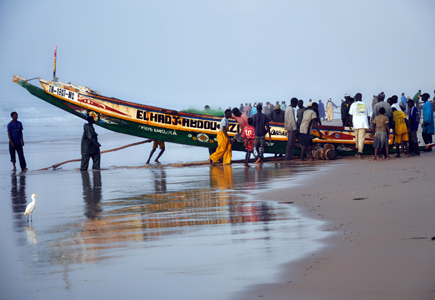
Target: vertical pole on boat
54,67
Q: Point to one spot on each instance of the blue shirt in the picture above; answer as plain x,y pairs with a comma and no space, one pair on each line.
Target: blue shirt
428,118
404,100
15,129
253,111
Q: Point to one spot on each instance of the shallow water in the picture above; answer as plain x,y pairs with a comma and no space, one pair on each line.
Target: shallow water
155,233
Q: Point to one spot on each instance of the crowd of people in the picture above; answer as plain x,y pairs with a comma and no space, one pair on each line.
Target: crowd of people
276,112
255,128
402,117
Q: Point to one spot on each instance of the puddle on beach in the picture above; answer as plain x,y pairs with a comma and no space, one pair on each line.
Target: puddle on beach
159,233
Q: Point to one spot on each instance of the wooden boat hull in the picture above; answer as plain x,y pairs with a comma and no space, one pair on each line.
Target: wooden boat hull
170,125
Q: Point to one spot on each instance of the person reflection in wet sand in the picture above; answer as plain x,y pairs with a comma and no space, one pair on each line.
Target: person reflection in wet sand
221,177
265,213
160,180
92,194
18,195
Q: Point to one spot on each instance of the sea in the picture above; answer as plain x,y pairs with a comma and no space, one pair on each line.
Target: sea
164,231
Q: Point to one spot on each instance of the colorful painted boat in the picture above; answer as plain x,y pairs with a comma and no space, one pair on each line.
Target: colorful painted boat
171,125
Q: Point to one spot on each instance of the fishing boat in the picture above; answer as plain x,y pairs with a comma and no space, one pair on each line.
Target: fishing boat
171,125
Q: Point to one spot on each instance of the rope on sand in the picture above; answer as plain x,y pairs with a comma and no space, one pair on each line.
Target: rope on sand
105,151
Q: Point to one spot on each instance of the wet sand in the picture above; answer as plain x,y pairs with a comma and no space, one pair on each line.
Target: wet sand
382,218
204,232
160,232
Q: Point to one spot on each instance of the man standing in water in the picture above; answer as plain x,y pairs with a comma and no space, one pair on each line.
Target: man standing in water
161,145
224,142
16,141
90,146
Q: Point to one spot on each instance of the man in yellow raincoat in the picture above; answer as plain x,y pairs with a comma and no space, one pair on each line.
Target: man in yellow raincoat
224,142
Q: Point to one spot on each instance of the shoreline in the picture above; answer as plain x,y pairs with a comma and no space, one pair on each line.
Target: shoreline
381,219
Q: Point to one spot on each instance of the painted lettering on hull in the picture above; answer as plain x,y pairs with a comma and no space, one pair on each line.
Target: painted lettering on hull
181,122
63,93
158,130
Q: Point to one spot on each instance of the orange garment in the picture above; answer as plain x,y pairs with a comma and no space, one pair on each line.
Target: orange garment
223,150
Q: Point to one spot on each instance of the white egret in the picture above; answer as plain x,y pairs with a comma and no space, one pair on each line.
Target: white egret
30,208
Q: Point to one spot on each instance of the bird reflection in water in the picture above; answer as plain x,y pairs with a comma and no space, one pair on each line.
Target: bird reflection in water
92,193
31,236
19,203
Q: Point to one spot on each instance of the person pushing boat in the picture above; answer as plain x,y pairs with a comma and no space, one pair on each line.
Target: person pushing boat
224,142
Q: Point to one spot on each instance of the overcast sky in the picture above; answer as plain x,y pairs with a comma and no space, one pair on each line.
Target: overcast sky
179,54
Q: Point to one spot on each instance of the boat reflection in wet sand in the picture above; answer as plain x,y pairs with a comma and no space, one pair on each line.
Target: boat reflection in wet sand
171,125
154,216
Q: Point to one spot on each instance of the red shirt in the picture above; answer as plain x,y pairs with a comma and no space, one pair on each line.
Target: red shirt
249,135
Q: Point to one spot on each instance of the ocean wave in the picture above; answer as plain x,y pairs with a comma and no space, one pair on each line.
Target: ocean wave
37,119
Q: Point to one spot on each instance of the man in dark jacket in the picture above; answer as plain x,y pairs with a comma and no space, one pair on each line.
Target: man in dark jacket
90,146
261,125
277,115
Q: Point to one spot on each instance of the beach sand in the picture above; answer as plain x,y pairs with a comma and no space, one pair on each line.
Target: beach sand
381,216
210,232
156,232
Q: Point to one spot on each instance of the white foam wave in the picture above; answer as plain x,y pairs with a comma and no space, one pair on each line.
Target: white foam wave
35,116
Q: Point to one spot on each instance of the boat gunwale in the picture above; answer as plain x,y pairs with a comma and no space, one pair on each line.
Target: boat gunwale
85,91
171,111
131,104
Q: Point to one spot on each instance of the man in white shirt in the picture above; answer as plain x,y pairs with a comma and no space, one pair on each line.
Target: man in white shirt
360,119
291,127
